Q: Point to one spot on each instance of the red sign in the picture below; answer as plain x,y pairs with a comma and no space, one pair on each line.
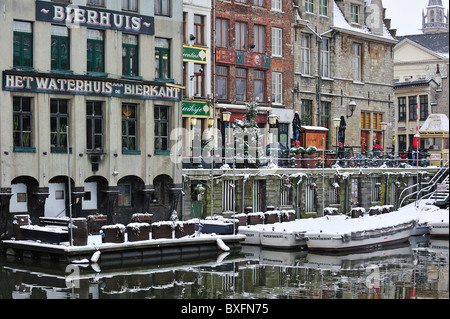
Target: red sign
248,59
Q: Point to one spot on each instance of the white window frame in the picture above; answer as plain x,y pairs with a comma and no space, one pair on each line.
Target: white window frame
308,4
277,88
325,58
277,42
354,16
357,62
305,53
277,5
323,6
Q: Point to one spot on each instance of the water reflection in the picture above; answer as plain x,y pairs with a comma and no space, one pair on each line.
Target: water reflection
415,270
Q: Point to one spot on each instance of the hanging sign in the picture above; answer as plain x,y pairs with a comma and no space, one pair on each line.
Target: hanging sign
195,54
196,109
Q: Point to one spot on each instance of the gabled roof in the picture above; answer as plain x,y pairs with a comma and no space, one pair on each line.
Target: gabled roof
340,22
435,42
414,83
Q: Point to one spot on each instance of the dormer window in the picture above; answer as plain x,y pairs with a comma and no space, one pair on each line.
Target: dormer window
354,13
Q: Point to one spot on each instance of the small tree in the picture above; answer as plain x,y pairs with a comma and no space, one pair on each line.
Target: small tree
247,137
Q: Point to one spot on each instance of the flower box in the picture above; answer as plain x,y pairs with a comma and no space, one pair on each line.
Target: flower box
79,231
298,160
255,218
95,223
309,160
287,215
330,211
186,228
142,218
114,233
242,219
20,220
138,231
162,230
357,212
271,217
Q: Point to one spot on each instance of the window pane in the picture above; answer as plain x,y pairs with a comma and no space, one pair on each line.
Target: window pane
64,48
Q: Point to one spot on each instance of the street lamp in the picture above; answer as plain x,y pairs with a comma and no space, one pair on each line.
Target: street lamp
384,126
351,107
273,120
193,121
226,116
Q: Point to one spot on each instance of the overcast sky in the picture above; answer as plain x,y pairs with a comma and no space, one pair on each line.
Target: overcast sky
406,15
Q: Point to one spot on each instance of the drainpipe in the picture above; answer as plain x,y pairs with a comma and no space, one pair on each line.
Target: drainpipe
243,194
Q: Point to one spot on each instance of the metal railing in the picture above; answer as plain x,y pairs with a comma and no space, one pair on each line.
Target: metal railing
260,157
424,190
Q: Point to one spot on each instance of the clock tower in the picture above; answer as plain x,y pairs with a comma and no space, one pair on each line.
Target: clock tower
436,19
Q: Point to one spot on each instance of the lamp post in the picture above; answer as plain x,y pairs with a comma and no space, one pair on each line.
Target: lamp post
273,139
383,128
226,115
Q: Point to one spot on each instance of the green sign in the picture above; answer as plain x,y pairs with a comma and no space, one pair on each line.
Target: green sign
194,54
196,109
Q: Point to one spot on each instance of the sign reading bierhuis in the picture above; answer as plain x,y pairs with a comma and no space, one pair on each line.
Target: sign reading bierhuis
74,15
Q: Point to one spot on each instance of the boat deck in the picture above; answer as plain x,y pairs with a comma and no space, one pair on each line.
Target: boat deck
156,248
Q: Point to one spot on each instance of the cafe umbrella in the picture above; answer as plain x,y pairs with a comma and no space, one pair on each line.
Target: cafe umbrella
341,138
296,126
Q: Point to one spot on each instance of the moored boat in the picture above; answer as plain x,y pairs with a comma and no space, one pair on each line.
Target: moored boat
439,226
290,234
363,232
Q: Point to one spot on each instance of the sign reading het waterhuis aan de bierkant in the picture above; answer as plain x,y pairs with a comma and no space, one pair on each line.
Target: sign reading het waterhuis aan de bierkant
82,85
75,15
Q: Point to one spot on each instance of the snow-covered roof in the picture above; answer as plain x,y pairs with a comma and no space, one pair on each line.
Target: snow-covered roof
437,43
341,23
435,123
314,128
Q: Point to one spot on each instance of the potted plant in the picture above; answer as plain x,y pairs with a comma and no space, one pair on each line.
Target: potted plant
297,152
309,157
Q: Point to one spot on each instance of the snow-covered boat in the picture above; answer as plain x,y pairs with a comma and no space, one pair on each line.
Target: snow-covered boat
286,235
432,220
252,234
358,233
438,227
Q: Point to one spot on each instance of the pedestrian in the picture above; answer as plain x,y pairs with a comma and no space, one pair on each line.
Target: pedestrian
377,149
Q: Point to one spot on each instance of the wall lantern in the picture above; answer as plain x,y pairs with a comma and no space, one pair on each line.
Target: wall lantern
193,121
273,119
351,107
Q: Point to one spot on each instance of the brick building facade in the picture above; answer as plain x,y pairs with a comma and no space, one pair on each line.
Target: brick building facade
253,60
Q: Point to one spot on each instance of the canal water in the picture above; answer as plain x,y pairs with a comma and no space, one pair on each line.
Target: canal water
416,269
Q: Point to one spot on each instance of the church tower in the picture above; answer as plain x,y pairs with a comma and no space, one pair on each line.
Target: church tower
436,19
